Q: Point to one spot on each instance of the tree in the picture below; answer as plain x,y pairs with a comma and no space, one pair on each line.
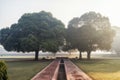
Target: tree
90,32
116,42
34,32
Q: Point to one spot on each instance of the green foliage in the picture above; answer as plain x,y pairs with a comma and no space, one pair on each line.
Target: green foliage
3,71
90,32
29,41
34,32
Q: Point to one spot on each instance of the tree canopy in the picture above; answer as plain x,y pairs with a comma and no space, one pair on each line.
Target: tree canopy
41,31
116,42
90,32
34,32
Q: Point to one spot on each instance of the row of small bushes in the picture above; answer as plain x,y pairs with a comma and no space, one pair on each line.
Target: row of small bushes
3,71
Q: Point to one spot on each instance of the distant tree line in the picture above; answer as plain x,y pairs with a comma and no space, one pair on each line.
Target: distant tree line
42,31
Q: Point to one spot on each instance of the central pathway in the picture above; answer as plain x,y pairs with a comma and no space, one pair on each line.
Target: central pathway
61,69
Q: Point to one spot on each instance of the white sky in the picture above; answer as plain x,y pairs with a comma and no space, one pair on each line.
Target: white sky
65,10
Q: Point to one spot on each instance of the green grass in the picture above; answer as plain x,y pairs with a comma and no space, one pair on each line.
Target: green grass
25,70
108,69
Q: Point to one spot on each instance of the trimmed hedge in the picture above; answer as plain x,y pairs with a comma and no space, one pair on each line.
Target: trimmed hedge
3,71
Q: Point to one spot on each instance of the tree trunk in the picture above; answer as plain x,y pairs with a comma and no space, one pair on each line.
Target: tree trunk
88,55
80,55
36,55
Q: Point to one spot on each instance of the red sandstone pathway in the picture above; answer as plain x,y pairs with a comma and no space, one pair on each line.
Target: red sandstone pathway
51,72
73,72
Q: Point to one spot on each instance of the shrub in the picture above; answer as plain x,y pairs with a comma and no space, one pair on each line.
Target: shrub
3,71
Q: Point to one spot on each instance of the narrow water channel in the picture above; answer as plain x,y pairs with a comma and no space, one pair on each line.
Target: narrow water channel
61,72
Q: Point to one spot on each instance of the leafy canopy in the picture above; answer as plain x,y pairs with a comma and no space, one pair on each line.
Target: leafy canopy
33,32
90,32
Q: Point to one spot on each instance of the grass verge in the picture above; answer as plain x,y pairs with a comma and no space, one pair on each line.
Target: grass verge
25,70
100,69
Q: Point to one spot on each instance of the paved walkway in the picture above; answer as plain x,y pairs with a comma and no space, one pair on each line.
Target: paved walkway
49,73
71,70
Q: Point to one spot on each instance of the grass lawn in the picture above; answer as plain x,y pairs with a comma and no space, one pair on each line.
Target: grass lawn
25,70
108,69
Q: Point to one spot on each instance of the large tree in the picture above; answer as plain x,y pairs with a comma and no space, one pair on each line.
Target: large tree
34,32
90,32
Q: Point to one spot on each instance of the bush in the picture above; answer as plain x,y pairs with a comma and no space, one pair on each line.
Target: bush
3,71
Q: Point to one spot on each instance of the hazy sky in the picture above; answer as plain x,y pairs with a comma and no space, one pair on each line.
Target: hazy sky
65,10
